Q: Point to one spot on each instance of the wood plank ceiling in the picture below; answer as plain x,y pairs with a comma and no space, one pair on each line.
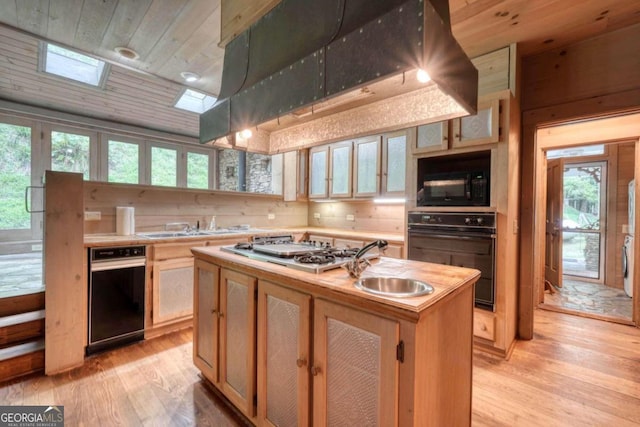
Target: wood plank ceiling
172,36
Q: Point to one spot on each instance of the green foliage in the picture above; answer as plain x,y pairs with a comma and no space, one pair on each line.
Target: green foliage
197,170
123,162
15,175
163,166
70,153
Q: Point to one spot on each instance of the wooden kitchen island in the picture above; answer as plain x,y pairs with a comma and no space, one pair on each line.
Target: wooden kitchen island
287,347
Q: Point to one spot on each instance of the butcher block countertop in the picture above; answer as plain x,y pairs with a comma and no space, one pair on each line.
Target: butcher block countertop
337,285
112,239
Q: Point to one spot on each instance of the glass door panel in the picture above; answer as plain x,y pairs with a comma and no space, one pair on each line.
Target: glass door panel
584,193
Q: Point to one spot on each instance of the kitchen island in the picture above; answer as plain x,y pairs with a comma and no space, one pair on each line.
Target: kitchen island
288,347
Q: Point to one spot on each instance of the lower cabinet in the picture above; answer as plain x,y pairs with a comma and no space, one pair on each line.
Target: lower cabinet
172,290
286,357
283,356
355,370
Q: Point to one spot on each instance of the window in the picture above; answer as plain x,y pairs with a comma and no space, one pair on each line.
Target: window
586,150
71,153
123,162
194,101
197,170
251,172
15,175
72,65
164,166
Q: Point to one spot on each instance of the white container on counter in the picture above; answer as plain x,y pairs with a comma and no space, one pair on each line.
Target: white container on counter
125,221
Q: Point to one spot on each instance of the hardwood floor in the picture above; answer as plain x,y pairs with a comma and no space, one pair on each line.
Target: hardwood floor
576,371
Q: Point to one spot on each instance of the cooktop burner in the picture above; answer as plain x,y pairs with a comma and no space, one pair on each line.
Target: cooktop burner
308,256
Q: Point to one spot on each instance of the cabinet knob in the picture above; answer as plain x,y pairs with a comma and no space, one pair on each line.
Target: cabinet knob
315,370
220,314
301,362
483,328
214,311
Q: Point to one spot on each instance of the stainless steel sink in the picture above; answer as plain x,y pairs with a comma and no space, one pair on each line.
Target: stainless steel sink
396,287
173,234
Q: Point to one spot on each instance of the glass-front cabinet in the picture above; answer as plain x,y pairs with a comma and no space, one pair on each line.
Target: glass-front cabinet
367,166
482,128
340,169
432,137
319,172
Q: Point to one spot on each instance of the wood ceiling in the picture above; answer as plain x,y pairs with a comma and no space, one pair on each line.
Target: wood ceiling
172,36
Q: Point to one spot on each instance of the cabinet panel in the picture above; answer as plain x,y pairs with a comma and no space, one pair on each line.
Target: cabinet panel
394,251
482,128
205,343
172,290
367,166
340,155
318,172
432,137
484,325
355,367
394,164
237,339
346,243
283,356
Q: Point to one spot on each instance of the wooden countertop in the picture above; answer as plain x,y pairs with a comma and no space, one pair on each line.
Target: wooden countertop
111,239
336,284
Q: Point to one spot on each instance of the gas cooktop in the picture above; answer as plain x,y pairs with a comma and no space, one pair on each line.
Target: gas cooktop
309,256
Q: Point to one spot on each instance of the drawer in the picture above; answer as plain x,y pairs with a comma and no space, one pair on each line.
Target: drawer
484,325
346,243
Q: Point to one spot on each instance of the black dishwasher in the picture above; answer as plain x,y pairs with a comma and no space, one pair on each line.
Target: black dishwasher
116,297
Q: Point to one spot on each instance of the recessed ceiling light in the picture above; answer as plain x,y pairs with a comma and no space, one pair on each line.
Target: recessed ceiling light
127,53
189,76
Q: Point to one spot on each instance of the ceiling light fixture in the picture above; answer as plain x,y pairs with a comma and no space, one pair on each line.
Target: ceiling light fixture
423,76
127,53
189,76
244,134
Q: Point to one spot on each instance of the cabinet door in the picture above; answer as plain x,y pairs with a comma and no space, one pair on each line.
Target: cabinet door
482,128
347,243
355,371
340,155
205,326
367,166
237,339
172,290
394,163
432,137
319,172
283,356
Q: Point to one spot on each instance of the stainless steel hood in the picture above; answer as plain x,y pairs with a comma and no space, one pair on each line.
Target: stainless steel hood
308,56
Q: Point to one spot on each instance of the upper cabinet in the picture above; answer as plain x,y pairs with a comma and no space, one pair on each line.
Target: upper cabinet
482,128
366,167
432,137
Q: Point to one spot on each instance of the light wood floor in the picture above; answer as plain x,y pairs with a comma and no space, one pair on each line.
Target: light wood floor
576,372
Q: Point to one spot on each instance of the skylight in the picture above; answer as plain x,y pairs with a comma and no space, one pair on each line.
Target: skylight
196,102
73,65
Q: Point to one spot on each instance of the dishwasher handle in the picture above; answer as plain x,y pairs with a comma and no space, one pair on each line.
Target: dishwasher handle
118,264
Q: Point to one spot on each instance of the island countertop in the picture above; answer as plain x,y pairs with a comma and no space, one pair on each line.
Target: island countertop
337,285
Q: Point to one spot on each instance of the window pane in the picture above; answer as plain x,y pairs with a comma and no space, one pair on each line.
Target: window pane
258,173
581,192
123,162
588,150
15,176
197,170
164,166
70,153
367,167
396,159
228,170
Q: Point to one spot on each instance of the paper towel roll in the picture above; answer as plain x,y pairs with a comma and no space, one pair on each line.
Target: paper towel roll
125,221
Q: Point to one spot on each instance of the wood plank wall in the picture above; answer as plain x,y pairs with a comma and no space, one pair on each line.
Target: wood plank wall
156,206
368,216
560,96
626,164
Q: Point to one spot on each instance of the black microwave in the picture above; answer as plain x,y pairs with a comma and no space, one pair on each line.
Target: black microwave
454,189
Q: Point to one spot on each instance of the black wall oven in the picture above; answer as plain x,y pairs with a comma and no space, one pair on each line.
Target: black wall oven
458,239
116,296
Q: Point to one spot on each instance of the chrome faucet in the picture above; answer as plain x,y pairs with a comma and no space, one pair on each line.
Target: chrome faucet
357,265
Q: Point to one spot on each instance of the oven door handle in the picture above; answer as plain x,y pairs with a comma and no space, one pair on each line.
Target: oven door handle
117,264
456,236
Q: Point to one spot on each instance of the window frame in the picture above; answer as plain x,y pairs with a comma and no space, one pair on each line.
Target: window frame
42,67
104,157
183,171
149,145
47,145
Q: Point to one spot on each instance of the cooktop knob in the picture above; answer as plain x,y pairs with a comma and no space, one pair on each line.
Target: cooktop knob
467,220
479,221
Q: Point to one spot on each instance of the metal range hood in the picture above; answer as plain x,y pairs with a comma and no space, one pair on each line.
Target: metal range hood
306,56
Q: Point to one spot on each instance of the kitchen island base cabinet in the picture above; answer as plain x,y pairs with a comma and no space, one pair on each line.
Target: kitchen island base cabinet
205,312
355,368
283,356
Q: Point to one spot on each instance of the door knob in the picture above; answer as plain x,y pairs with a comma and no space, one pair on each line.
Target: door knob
301,362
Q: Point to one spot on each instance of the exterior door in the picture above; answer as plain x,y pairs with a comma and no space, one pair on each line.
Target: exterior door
553,223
